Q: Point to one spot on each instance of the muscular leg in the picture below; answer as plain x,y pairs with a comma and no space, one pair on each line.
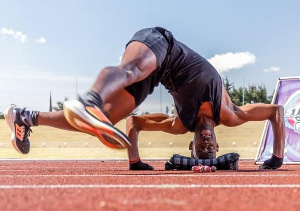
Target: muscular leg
232,115
115,109
54,119
116,112
137,63
119,107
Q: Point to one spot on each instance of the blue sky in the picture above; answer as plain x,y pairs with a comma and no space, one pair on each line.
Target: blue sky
45,45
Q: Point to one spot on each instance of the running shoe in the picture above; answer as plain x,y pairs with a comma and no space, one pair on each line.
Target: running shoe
88,118
17,120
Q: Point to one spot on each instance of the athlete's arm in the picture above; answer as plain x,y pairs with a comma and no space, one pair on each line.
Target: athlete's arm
232,115
150,122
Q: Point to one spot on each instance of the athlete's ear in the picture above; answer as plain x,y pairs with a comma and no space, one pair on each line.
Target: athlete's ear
217,148
191,148
191,145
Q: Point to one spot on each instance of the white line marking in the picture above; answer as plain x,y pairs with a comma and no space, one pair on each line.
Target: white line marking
162,186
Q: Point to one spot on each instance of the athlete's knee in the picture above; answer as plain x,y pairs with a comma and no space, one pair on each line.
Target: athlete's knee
123,76
109,72
131,77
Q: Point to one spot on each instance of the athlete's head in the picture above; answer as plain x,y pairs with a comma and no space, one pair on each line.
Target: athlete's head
204,144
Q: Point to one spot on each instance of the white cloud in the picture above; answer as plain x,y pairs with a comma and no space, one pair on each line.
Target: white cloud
271,69
41,40
18,36
229,61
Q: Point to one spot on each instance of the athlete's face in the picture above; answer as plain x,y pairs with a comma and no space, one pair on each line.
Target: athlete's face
204,145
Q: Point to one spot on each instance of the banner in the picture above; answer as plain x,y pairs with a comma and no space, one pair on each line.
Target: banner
287,94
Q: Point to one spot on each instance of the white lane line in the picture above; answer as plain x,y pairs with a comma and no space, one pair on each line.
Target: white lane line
154,175
162,186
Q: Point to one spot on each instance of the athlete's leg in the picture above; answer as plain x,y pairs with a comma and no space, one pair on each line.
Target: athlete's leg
137,63
118,108
112,109
54,119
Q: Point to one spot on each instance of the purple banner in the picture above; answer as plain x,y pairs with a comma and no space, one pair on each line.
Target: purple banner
288,95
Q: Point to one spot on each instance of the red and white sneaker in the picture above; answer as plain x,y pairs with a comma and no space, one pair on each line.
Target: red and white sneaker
90,119
18,121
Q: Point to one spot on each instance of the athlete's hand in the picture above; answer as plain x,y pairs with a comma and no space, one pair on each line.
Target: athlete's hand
139,165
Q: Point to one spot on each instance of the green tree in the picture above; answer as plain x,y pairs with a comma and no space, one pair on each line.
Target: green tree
134,112
237,96
228,86
256,94
60,105
167,110
242,95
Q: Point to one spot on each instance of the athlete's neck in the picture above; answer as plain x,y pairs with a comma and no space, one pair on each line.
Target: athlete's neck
205,120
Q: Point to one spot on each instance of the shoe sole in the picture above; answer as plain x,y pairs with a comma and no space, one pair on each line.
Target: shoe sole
9,120
79,118
266,168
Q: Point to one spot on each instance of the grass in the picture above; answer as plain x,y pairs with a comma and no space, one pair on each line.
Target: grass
51,143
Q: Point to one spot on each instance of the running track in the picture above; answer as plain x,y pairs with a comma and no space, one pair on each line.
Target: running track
108,185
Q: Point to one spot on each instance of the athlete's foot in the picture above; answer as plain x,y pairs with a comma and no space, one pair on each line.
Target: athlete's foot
19,121
88,118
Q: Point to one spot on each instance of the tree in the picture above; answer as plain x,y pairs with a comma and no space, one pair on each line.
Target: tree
167,110
228,86
134,112
60,105
242,95
236,96
256,94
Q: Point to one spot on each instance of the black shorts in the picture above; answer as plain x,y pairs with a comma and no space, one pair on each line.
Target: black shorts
159,45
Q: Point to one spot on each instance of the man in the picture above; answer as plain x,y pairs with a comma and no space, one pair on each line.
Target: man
153,55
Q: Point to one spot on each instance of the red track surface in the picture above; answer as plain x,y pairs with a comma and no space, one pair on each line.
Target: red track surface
98,185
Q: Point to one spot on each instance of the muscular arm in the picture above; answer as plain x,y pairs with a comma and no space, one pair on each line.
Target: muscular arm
150,122
232,115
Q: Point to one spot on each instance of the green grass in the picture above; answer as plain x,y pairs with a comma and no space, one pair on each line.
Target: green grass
51,143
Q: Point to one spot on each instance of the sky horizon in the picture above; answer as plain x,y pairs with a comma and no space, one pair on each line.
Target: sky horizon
52,46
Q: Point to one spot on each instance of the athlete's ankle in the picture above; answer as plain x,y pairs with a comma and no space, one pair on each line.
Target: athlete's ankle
30,118
34,118
92,98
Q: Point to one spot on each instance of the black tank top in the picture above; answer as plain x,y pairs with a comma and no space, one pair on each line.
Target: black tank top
189,77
